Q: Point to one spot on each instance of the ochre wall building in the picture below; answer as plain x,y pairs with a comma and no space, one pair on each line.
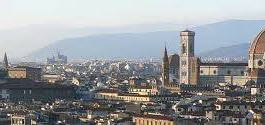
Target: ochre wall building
153,120
25,72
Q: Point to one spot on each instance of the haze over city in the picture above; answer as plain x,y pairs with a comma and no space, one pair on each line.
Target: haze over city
17,13
53,20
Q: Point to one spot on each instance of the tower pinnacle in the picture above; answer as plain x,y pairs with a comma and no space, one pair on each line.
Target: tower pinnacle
6,65
165,66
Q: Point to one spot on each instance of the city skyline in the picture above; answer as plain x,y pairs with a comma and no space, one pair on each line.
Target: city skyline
132,62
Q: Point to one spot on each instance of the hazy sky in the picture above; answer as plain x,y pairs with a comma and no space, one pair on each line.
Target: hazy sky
16,13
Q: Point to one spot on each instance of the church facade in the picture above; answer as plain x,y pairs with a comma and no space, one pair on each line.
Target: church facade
186,68
227,73
256,63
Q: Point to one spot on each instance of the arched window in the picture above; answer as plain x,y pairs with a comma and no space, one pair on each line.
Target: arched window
260,63
183,48
214,72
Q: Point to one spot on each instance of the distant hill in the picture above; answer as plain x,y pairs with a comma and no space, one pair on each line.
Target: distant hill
209,39
22,41
239,50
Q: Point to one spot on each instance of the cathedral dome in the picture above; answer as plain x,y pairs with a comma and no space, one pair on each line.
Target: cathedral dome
258,45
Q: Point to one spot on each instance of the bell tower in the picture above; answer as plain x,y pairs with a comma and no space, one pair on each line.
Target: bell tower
165,68
186,56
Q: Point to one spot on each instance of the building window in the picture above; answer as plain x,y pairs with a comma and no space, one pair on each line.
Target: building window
260,63
183,62
201,71
214,72
183,49
242,73
229,72
184,73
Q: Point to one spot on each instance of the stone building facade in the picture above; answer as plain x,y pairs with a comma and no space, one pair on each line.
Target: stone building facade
153,120
230,73
174,68
27,90
24,72
165,69
192,71
256,71
188,62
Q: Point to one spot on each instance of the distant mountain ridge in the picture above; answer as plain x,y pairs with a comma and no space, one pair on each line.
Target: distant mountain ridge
19,42
233,51
230,35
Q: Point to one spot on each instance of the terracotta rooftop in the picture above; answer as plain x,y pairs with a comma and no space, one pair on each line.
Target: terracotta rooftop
258,45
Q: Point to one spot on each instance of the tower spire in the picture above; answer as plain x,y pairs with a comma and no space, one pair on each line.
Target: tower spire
165,70
165,51
6,65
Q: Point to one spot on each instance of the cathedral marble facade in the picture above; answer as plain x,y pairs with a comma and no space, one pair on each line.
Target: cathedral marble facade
186,68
